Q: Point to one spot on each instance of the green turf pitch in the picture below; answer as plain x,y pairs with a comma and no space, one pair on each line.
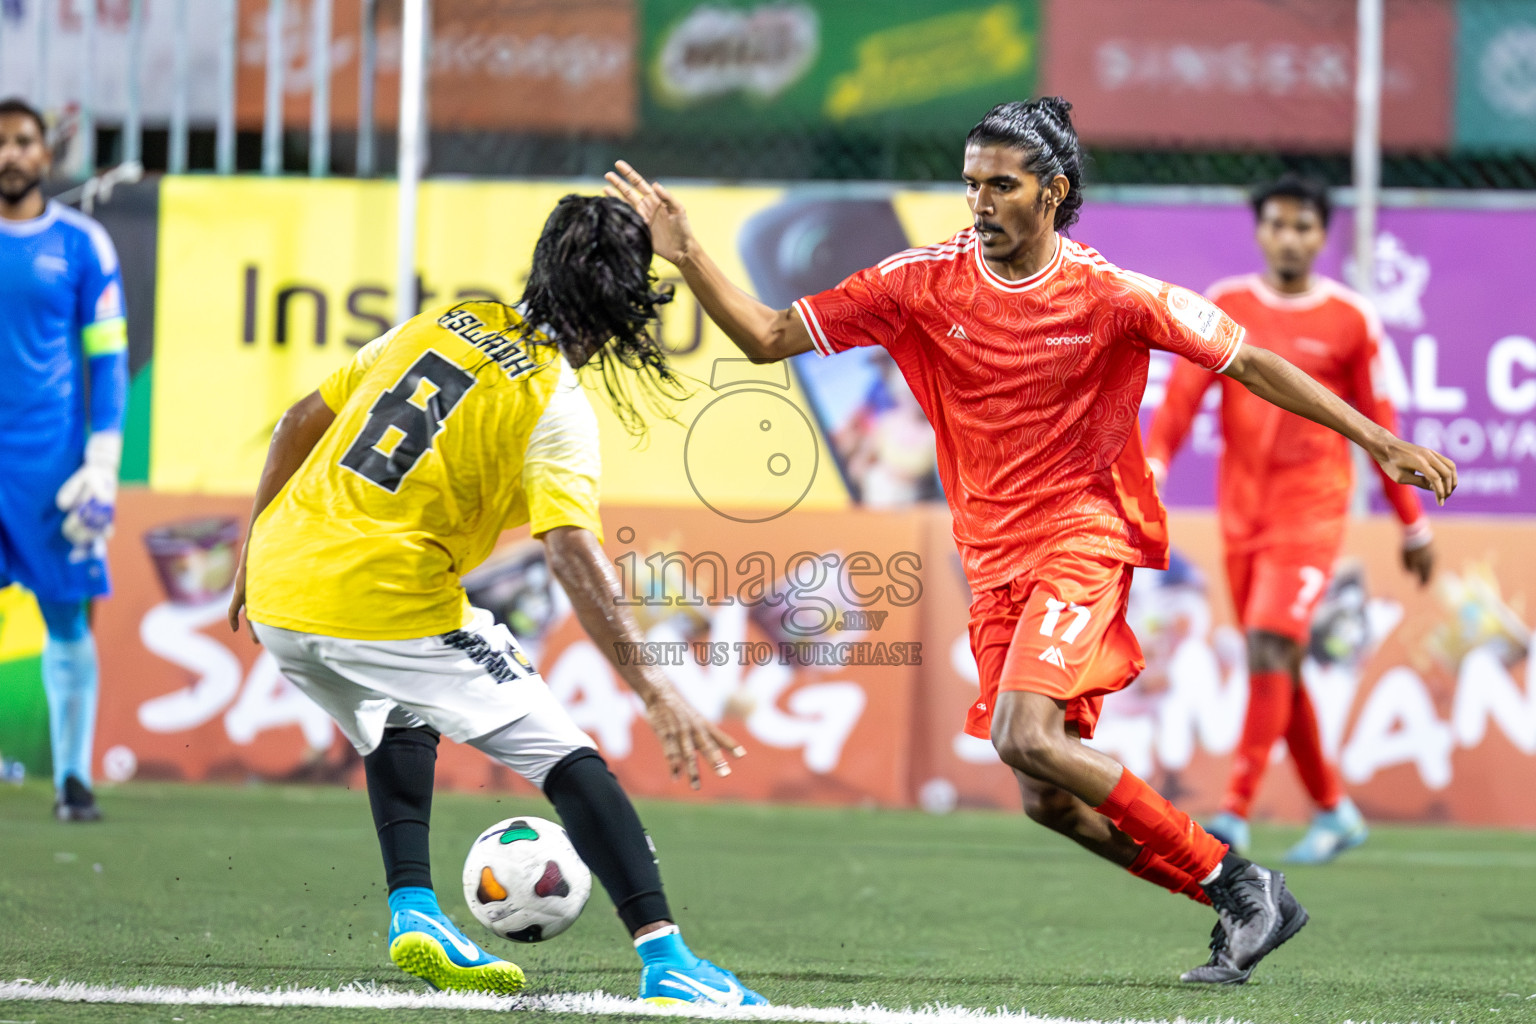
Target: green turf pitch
268,886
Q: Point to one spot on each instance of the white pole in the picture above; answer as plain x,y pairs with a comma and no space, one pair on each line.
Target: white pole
272,127
368,31
44,37
229,43
181,87
320,90
86,124
1368,62
133,124
413,30
1367,142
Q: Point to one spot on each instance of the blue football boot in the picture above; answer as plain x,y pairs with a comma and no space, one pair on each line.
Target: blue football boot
1230,829
672,975
1332,833
423,942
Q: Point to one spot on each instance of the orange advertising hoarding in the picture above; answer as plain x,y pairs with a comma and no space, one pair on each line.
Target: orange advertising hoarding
833,645
509,65
752,622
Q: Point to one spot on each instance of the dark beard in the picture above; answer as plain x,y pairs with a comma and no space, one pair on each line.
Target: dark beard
13,195
1291,276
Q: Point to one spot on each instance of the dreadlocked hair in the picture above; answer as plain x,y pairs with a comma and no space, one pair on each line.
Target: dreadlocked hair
592,293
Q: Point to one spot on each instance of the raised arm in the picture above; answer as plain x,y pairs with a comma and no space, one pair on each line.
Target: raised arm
1278,382
763,334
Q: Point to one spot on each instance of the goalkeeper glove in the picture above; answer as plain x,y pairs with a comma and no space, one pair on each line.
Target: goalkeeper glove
90,494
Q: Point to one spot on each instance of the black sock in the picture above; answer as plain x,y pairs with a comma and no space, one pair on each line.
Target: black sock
1232,865
400,774
607,833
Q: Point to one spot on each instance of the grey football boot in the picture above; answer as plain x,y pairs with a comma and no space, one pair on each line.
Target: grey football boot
1256,913
1218,970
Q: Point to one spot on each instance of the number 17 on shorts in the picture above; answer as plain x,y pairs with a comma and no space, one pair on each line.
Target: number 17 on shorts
1061,632
1072,639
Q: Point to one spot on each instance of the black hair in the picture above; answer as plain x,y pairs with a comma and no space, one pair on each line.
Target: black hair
593,294
1042,129
16,105
1293,186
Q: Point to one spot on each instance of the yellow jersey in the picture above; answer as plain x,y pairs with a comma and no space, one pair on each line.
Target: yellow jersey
449,429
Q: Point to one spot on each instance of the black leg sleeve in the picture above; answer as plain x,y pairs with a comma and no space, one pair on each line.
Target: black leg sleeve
607,833
400,775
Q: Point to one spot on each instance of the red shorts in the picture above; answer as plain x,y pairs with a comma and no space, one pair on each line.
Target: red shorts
1059,631
1277,589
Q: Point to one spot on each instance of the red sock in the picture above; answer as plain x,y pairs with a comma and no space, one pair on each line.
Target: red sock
1154,869
1269,712
1146,816
1320,777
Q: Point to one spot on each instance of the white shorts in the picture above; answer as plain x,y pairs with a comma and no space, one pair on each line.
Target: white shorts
468,685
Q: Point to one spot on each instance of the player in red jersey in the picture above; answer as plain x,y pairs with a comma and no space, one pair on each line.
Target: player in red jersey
1284,493
1028,353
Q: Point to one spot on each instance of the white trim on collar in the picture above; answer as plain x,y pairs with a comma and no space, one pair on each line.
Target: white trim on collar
1319,290
1034,280
37,225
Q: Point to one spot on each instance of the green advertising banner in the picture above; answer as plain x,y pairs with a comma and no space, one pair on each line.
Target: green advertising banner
1496,74
23,706
920,64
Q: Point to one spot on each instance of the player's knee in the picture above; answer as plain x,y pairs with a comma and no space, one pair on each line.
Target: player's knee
1023,745
567,771
1054,808
66,621
1271,652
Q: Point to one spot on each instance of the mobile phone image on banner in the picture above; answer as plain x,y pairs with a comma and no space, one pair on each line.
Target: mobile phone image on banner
878,434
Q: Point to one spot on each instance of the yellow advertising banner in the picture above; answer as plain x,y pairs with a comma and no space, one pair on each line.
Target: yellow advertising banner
244,330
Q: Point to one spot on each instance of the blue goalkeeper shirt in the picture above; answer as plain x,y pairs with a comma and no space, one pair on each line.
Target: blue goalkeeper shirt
63,374
63,336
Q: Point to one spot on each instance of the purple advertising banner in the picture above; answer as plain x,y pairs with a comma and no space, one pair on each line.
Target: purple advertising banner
1457,306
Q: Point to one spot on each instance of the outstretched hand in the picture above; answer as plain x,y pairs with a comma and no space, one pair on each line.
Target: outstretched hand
687,737
668,221
1409,464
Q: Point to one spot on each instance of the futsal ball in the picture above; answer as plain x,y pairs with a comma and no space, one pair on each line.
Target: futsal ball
523,880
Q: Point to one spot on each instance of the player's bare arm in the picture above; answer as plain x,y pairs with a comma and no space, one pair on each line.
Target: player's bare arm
1278,382
296,435
578,562
765,335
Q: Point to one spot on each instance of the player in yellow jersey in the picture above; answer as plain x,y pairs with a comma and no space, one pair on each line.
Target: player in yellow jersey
389,483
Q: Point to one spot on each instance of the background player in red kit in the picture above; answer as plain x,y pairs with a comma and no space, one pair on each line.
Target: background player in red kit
1283,497
1028,352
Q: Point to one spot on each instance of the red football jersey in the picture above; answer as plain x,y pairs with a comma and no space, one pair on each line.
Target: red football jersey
1032,388
1282,478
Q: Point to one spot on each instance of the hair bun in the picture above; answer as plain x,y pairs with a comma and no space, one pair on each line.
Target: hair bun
1058,108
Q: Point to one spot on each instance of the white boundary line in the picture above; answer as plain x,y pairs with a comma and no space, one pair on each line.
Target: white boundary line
373,997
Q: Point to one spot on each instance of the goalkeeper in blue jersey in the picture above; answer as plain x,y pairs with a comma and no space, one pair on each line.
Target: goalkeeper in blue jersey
64,372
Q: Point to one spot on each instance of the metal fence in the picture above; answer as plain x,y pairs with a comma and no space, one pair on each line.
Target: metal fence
1188,92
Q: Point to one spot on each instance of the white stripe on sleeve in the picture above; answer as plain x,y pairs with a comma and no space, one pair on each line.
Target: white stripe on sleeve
818,336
